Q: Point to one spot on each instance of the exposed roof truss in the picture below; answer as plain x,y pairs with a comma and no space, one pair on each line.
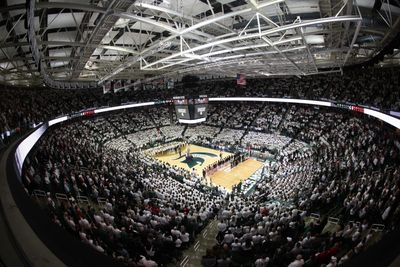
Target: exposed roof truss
99,40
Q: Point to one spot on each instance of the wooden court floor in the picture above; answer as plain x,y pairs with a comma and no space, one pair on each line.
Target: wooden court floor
204,156
230,177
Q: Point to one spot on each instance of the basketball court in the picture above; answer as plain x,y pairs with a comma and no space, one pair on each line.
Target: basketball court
230,177
202,157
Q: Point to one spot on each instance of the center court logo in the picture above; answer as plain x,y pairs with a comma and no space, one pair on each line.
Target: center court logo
197,158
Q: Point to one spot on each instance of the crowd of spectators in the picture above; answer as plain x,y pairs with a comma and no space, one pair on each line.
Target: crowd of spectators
149,215
350,169
153,211
201,132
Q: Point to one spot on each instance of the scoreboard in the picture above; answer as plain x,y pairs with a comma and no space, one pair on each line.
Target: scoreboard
182,108
191,110
200,106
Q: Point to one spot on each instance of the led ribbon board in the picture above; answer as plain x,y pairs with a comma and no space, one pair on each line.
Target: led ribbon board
270,99
25,146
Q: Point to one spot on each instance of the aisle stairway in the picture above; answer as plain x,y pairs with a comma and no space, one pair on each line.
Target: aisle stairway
252,120
184,130
206,239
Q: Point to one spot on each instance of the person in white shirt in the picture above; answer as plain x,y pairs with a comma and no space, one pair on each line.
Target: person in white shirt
147,263
221,226
333,262
298,262
228,238
185,238
178,243
261,262
236,245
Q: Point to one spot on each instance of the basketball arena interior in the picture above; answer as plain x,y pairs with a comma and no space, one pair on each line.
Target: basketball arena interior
199,133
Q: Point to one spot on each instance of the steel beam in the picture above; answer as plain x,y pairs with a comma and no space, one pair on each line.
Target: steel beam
73,6
282,54
301,32
102,28
10,28
257,35
352,42
174,13
164,26
82,27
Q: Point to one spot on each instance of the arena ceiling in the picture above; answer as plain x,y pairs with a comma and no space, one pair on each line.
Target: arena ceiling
95,40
